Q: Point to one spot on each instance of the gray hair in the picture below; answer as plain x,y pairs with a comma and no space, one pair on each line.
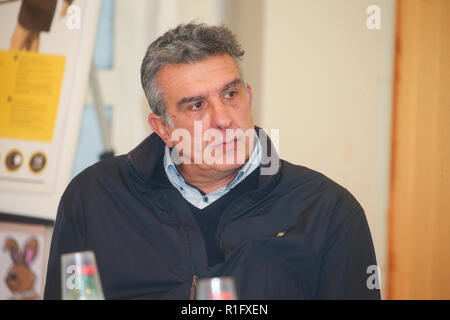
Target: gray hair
187,43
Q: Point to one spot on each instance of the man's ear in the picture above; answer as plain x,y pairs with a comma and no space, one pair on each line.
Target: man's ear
162,130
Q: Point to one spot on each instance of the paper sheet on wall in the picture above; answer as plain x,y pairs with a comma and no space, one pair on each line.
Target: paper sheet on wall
30,86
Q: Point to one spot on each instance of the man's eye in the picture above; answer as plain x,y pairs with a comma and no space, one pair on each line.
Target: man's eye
195,106
230,94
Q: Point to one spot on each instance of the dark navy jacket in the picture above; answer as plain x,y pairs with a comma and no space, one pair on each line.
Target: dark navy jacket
298,235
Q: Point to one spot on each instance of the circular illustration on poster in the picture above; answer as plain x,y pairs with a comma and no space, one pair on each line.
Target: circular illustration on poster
13,160
37,162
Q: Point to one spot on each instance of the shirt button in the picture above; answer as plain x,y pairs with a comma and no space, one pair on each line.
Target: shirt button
181,188
205,199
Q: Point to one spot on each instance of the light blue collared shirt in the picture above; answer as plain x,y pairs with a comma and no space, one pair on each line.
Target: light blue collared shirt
193,195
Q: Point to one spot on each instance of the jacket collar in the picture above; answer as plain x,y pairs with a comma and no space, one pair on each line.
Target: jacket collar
150,153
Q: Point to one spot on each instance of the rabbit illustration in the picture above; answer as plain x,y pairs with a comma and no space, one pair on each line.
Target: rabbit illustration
20,279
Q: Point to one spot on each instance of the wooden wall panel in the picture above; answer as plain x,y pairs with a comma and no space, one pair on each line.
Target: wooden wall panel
419,215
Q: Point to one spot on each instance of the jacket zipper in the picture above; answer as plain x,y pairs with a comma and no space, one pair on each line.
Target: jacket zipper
193,287
189,252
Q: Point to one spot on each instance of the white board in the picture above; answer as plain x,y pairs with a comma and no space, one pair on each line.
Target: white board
23,190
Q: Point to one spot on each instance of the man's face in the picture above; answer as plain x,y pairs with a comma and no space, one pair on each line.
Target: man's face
209,97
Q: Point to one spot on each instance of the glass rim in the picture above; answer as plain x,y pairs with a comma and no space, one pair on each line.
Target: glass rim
225,278
69,254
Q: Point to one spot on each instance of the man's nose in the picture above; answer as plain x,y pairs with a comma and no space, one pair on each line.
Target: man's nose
221,115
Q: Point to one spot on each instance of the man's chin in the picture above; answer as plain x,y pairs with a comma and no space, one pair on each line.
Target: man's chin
225,167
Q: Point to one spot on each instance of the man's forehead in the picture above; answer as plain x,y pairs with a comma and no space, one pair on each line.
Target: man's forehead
214,73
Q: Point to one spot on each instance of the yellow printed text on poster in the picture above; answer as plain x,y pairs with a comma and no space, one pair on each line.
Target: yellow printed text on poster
30,85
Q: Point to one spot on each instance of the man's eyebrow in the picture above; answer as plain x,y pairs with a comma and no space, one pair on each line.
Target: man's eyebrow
190,99
226,87
232,84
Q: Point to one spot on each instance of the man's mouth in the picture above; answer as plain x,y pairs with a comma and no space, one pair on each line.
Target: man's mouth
230,144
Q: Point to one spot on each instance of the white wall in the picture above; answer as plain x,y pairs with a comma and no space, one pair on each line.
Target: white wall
326,84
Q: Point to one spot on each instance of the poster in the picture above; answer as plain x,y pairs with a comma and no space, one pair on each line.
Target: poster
46,52
22,261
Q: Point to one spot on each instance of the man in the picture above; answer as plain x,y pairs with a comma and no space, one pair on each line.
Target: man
178,208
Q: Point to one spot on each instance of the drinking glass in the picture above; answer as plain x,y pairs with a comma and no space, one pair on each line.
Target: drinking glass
79,277
222,288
